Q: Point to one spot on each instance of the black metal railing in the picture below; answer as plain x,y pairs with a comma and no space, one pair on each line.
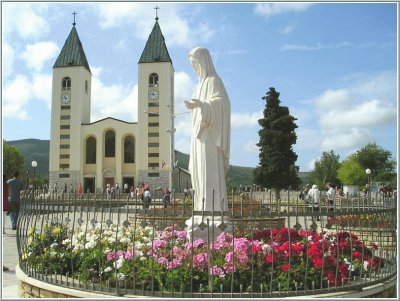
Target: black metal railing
277,248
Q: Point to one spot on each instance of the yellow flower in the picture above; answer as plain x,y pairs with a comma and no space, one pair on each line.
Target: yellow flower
56,231
31,231
42,236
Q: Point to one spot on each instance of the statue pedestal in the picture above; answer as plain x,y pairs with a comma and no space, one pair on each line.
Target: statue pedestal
207,228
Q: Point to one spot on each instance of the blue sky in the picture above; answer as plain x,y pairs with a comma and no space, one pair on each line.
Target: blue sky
334,64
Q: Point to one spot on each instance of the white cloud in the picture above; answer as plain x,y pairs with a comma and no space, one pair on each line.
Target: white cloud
35,55
15,98
7,59
25,19
251,147
318,46
41,87
348,116
334,99
352,138
21,90
117,101
175,28
287,29
245,119
271,9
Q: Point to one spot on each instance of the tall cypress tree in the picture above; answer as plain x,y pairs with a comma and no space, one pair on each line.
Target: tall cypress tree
277,168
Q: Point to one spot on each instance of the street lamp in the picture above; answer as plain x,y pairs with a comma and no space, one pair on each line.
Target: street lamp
368,172
34,165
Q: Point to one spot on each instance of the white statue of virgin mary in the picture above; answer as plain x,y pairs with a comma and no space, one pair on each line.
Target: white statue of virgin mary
209,154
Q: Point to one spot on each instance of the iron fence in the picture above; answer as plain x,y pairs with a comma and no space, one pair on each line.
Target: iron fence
277,248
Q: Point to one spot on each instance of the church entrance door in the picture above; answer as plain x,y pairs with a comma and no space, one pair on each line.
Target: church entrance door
89,185
108,181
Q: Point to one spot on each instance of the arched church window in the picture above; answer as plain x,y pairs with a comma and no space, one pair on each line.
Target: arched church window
153,80
66,83
109,144
129,149
91,150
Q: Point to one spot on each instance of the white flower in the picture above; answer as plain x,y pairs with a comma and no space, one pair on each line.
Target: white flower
327,254
142,258
90,244
366,264
309,237
111,239
121,276
118,264
66,241
108,269
266,248
53,245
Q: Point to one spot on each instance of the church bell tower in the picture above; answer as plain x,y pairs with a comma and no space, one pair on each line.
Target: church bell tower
70,107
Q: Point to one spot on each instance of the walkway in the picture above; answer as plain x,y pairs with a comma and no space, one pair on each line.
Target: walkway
10,260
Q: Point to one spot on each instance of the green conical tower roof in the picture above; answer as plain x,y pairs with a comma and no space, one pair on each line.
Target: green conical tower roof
155,49
72,53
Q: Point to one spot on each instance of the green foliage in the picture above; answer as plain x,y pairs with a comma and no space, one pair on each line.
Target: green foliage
12,160
325,169
378,161
351,172
277,135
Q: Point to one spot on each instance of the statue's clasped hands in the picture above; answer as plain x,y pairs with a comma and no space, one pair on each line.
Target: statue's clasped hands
192,104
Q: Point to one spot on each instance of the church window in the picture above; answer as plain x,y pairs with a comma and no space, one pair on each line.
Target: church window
154,174
64,126
154,144
64,166
64,156
154,124
129,150
86,86
154,104
64,136
109,144
66,83
153,80
64,146
153,165
65,107
154,134
90,150
154,155
65,117
64,175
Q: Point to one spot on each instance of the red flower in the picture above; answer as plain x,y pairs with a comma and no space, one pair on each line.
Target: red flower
269,258
357,255
317,262
285,267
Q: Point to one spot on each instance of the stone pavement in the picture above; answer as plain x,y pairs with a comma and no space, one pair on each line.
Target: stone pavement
10,260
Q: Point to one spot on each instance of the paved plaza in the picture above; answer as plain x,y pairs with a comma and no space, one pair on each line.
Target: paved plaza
10,260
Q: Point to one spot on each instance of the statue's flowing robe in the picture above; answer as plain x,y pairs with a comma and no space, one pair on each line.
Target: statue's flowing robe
209,155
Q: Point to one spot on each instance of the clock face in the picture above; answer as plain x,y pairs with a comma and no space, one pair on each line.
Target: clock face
65,98
153,94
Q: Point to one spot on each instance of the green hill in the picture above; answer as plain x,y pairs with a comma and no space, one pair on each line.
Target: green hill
38,150
34,150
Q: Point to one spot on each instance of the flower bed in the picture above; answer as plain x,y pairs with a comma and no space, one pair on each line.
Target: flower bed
269,260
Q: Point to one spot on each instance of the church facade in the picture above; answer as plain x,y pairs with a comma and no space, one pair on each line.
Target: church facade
111,151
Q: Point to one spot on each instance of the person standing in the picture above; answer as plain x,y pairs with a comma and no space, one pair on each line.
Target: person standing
330,195
210,143
15,186
315,196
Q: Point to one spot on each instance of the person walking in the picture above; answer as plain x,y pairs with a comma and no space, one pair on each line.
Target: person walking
15,186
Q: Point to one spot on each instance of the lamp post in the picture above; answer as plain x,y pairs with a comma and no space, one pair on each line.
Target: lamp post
368,172
34,165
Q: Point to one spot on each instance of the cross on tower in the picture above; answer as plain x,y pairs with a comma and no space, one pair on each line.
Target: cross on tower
74,13
156,8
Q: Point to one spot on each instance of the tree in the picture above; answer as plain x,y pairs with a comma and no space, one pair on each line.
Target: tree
325,169
351,172
277,135
12,160
377,160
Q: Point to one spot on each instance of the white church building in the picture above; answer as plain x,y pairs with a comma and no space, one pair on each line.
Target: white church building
111,151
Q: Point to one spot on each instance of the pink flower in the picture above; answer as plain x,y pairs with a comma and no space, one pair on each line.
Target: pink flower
163,260
157,243
229,257
129,255
198,243
229,267
174,264
200,261
110,256
217,271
